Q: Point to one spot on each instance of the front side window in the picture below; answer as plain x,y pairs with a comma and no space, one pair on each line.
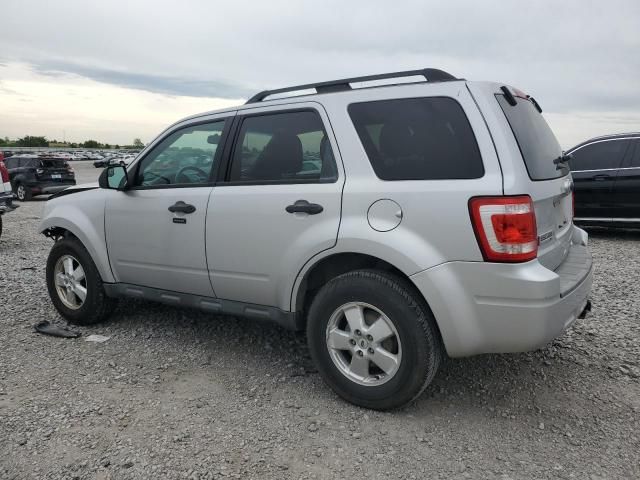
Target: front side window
186,157
599,156
286,147
11,163
417,139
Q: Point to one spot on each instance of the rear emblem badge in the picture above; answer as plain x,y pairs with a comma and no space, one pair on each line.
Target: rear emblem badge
545,236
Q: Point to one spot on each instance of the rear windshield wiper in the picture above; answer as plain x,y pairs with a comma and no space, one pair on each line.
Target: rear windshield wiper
562,160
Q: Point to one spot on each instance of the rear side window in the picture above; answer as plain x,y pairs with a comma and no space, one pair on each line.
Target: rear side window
11,162
283,147
599,155
636,157
417,139
538,145
29,162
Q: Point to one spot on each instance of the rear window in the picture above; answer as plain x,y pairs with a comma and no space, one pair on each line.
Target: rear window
538,145
417,139
53,163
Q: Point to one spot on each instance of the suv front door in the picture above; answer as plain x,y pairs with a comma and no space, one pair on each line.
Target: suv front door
278,206
155,230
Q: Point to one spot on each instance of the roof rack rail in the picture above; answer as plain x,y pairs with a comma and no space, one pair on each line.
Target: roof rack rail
430,75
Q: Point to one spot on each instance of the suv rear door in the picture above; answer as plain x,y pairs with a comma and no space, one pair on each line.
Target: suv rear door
278,204
625,204
594,168
527,148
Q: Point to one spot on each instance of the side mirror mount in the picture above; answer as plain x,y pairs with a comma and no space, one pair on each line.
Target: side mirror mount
114,177
213,139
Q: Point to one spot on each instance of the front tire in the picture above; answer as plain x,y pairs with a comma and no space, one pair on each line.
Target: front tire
373,339
74,284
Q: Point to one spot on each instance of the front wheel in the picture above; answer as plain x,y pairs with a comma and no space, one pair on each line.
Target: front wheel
373,339
74,284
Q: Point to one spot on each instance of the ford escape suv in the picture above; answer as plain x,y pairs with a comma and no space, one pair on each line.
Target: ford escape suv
33,175
394,223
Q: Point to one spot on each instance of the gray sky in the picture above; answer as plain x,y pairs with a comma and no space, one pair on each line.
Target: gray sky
117,70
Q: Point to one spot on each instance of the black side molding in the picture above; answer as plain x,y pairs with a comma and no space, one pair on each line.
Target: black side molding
217,306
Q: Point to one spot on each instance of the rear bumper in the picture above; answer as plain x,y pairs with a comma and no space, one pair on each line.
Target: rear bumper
486,307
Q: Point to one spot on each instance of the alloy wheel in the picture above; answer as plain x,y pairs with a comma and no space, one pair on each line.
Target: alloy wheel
363,344
70,282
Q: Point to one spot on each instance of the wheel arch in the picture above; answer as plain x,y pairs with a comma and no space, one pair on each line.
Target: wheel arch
331,266
82,229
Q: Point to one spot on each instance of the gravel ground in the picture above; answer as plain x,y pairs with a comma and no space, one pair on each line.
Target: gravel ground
182,394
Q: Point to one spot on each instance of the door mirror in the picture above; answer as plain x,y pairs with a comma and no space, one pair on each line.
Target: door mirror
213,139
114,177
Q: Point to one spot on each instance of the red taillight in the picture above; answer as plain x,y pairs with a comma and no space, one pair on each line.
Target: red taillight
4,173
505,228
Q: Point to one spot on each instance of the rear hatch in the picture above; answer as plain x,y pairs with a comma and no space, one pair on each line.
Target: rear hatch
550,183
55,170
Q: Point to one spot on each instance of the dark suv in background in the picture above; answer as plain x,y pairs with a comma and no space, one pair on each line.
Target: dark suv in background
606,176
32,175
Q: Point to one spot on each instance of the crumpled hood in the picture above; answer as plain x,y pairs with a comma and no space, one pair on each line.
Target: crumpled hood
75,189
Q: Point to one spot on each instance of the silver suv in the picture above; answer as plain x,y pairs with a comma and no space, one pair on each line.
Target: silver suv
395,223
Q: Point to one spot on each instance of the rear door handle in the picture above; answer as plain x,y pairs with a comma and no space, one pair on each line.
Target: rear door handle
302,206
601,178
182,207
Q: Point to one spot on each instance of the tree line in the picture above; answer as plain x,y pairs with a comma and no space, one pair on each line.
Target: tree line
35,141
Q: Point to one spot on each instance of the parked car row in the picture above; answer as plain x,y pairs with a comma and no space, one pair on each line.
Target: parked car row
114,159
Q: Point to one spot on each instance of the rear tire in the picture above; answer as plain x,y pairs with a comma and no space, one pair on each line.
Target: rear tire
401,353
74,284
23,192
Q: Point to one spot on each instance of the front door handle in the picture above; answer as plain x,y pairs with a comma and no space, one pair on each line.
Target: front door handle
182,207
601,178
302,206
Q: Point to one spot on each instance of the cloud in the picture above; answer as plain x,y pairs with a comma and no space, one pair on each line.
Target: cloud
151,83
574,56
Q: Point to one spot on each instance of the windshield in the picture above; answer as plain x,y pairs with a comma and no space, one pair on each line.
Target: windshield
538,145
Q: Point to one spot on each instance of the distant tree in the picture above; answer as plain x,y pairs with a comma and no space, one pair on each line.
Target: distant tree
106,145
117,147
91,144
4,141
30,141
137,143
